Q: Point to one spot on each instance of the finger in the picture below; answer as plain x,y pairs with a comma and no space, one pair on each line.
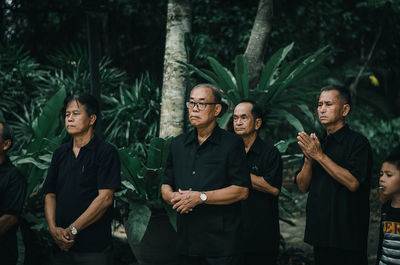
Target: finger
177,205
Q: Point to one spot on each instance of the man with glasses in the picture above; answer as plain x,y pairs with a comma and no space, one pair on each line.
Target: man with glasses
205,178
12,194
260,213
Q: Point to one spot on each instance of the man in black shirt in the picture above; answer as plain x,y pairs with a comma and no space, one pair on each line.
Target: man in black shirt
12,194
260,211
336,172
79,188
205,178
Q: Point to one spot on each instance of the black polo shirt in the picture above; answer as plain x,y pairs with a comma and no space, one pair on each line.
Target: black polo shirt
209,230
337,217
260,211
76,181
12,195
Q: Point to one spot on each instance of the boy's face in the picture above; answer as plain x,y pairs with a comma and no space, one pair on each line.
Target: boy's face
389,179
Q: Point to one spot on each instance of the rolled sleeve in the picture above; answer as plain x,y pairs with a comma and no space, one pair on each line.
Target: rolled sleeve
360,160
273,168
109,172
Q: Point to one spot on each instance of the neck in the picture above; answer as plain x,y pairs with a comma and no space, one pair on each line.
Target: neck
330,129
396,201
83,139
249,140
204,132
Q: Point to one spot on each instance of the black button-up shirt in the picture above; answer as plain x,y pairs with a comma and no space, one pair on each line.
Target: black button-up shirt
260,210
337,217
209,230
12,195
76,181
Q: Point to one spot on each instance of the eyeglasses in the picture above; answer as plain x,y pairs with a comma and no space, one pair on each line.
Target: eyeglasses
199,105
244,118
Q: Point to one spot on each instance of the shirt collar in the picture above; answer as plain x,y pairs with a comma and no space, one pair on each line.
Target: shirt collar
215,136
90,145
340,134
256,147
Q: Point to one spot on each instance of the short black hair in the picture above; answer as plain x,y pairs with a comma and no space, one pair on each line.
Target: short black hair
7,133
90,102
393,159
256,110
217,96
344,93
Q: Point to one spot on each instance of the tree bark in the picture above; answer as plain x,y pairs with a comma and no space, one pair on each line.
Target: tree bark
258,42
175,74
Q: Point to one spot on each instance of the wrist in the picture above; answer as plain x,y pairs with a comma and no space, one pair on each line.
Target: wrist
319,157
202,197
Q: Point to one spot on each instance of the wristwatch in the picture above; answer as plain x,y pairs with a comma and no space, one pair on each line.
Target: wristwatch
203,197
73,229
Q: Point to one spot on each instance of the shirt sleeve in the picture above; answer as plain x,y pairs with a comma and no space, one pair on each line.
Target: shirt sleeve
49,185
13,198
109,172
360,160
272,172
238,172
168,176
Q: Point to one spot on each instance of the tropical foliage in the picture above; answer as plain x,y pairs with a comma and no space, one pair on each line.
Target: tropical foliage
281,89
141,193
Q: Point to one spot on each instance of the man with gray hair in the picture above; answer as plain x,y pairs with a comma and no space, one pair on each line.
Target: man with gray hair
205,178
12,194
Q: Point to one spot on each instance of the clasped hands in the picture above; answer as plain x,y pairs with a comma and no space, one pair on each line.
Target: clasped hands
183,201
63,238
310,145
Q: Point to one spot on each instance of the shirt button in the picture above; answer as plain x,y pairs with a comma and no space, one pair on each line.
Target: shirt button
194,172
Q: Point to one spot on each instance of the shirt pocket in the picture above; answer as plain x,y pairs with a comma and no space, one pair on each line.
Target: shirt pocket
89,176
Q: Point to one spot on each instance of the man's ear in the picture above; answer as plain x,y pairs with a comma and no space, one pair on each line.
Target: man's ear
92,119
6,145
258,123
346,110
218,109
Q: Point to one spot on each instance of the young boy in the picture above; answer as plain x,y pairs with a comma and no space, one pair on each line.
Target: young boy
389,238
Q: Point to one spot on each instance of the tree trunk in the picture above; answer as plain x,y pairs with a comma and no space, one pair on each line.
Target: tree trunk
175,74
258,41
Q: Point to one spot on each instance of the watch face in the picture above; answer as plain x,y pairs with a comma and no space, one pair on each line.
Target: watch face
73,230
203,197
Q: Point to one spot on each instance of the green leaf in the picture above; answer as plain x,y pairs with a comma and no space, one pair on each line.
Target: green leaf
283,145
224,120
31,160
292,120
199,72
224,80
138,220
48,120
304,108
131,169
270,71
241,76
155,153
